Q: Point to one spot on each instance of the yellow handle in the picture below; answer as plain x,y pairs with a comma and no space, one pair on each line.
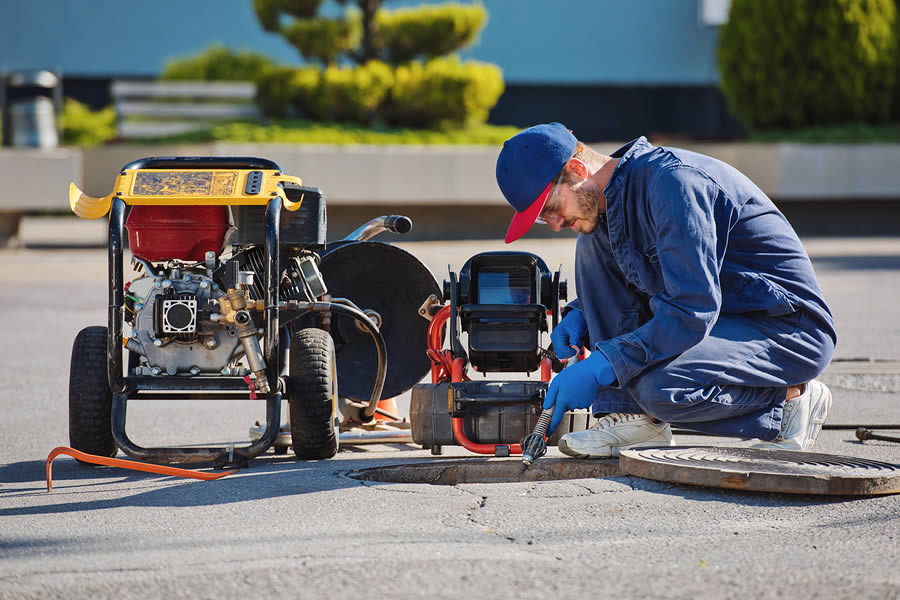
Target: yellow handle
275,180
88,207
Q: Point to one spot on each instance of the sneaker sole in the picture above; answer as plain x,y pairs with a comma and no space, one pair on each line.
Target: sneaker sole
612,451
818,414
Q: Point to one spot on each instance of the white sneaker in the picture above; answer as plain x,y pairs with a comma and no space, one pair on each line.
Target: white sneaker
802,419
615,432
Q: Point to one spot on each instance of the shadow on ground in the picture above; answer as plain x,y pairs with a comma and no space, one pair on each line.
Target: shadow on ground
271,477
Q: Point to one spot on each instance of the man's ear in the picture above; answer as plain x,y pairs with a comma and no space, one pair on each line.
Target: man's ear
578,168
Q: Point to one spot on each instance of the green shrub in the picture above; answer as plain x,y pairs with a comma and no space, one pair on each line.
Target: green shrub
276,92
322,39
427,31
351,94
306,83
808,62
443,92
82,126
354,93
218,63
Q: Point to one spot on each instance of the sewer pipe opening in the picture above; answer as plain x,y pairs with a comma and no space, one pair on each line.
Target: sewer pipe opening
453,472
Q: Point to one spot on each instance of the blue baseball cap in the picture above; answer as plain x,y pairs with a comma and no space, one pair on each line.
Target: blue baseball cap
526,167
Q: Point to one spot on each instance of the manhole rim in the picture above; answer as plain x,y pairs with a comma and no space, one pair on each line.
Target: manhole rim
636,462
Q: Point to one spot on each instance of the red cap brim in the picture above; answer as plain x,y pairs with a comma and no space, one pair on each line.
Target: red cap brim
522,221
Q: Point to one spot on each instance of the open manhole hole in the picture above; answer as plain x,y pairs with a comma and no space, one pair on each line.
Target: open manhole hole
749,469
474,470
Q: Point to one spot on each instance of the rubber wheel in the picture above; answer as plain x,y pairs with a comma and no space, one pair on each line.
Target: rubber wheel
90,399
312,395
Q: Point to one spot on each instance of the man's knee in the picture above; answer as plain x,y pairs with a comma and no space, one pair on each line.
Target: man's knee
816,351
661,396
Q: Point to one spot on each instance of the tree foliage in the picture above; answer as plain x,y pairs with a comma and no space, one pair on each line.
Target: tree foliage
82,126
402,74
426,31
368,32
443,91
788,64
218,63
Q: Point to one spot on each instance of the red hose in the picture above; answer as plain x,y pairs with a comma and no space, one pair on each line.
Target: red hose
444,367
441,360
465,442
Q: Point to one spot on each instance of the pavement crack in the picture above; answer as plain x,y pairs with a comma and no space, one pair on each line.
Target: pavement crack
584,487
472,520
470,513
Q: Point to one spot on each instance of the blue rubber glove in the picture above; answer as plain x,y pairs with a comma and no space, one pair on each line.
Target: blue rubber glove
569,332
576,386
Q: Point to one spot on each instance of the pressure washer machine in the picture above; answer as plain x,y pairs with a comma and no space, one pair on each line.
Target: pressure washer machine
501,301
229,303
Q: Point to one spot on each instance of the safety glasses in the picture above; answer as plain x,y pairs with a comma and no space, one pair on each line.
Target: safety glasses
551,208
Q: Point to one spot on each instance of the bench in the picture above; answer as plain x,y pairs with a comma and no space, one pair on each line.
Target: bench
159,108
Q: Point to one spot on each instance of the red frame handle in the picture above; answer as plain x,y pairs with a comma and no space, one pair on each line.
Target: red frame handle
457,422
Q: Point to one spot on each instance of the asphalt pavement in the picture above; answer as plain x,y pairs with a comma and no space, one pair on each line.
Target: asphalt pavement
308,530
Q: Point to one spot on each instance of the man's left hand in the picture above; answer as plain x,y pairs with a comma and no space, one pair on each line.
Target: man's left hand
576,386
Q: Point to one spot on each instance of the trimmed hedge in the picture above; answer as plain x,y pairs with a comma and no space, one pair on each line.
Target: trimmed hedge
353,93
789,64
427,31
322,39
443,91
218,63
277,88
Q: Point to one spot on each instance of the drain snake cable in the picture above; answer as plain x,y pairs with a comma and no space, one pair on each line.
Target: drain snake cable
127,464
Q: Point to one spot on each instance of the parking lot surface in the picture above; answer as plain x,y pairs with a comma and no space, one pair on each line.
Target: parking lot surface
308,530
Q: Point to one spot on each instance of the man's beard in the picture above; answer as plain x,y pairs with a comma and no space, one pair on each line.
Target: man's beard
589,209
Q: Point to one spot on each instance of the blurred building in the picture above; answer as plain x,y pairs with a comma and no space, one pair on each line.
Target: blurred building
609,69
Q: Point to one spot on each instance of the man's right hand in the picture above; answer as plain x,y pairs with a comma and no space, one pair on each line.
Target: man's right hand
570,332
577,386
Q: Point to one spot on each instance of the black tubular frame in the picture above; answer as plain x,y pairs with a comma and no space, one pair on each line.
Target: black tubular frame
126,387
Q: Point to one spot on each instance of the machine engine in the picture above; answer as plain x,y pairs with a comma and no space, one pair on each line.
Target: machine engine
177,326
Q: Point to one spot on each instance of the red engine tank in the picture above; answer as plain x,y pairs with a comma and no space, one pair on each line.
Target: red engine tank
176,232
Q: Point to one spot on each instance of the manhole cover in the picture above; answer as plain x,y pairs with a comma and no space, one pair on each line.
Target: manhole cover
761,470
489,471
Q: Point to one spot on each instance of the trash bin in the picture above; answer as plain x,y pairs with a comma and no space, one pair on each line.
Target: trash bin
31,101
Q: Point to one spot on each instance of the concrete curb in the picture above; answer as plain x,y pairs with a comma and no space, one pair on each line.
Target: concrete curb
444,174
360,181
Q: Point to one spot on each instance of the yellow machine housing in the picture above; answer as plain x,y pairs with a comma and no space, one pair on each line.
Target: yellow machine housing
199,187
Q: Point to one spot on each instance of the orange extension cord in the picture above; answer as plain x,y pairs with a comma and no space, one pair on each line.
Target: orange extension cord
126,464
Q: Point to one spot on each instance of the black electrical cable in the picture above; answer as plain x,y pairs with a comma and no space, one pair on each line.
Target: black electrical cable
381,350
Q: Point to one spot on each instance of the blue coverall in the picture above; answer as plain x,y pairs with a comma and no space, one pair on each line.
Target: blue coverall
700,294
